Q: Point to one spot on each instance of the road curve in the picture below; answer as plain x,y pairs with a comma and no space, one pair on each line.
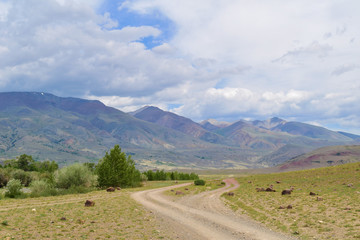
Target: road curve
204,216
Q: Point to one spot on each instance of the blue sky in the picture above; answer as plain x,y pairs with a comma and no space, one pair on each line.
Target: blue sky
227,60
126,17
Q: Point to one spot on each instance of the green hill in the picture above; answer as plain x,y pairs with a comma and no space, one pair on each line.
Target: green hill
71,130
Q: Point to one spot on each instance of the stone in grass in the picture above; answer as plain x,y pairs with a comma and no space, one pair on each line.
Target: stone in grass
286,192
179,193
89,203
269,189
312,194
230,193
288,207
63,218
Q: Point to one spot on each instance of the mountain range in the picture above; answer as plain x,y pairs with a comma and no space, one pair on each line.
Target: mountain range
77,130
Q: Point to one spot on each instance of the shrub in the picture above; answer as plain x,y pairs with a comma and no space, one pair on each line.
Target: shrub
4,177
13,188
199,182
41,188
21,175
143,177
76,175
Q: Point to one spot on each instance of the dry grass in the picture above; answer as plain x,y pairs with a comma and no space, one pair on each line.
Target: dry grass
192,189
114,216
337,216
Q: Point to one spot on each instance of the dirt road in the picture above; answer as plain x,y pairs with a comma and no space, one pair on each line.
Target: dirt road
203,216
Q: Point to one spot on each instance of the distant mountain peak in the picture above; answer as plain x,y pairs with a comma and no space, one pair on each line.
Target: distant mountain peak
276,120
270,123
143,109
216,123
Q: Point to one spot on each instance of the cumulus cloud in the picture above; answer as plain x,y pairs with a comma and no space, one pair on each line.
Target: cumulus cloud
68,49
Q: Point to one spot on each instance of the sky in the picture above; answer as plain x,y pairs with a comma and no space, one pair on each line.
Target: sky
226,60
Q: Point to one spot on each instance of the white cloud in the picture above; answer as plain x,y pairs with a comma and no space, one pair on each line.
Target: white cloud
344,69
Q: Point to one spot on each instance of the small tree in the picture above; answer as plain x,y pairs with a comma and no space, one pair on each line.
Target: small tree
117,170
26,163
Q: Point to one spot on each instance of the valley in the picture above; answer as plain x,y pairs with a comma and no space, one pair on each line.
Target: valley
154,211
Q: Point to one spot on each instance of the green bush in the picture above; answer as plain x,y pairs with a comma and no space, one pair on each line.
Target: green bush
13,188
4,177
76,175
199,182
41,188
24,177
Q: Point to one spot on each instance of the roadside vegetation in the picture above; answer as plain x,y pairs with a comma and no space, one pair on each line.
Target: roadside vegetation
23,177
161,175
331,212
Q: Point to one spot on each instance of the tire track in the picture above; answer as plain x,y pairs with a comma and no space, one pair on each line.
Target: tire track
204,216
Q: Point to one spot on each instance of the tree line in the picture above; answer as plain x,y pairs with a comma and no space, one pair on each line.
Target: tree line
115,169
161,175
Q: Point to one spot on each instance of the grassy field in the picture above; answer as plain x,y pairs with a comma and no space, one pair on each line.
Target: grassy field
332,214
117,216
114,216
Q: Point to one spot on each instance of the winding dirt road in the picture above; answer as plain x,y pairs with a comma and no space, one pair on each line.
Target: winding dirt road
203,216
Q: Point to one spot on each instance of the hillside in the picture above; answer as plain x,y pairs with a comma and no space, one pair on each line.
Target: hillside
76,130
71,130
176,122
332,213
323,157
